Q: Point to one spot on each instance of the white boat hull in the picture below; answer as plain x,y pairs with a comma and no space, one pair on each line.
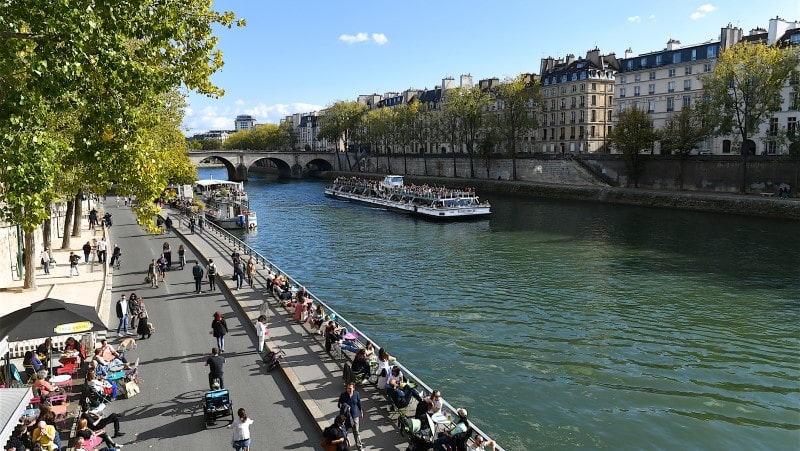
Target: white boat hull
418,210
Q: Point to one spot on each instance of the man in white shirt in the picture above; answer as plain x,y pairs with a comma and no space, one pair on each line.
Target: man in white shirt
102,247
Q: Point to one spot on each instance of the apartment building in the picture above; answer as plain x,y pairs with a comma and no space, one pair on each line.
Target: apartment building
666,81
577,103
244,122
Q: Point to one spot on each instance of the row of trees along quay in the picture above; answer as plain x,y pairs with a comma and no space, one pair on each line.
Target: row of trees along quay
742,92
92,96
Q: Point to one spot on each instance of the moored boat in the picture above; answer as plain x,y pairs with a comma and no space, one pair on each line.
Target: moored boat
227,204
421,200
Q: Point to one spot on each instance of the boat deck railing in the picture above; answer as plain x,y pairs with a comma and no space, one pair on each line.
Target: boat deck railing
265,264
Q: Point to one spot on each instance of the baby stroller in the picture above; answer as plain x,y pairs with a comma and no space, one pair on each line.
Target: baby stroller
419,434
217,404
273,359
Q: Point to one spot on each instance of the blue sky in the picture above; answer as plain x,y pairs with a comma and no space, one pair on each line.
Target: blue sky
296,57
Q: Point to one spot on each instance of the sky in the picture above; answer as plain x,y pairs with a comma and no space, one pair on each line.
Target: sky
299,57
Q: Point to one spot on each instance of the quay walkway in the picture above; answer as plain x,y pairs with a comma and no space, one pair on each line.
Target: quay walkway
316,375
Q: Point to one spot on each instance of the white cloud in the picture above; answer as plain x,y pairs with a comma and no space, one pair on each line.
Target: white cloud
351,39
380,38
221,118
702,11
652,17
634,19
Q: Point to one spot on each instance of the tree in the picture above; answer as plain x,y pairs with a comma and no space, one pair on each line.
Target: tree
378,130
633,133
684,131
98,63
515,116
745,89
465,107
262,137
338,121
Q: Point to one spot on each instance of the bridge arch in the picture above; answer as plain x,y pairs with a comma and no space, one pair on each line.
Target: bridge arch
288,164
230,166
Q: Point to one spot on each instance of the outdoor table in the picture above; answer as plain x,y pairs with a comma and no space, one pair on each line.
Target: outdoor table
61,380
350,336
441,420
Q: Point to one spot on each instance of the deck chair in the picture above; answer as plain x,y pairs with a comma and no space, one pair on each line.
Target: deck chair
16,378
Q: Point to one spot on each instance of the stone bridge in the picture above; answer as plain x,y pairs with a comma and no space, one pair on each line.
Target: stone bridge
289,164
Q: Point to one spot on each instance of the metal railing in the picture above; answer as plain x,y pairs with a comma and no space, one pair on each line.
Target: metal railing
237,244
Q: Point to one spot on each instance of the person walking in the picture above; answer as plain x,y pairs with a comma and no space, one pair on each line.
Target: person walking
143,329
215,372
192,224
73,263
122,314
241,431
350,406
238,273
261,331
134,308
335,438
102,247
219,328
197,273
182,255
166,251
251,271
87,251
200,222
162,268
46,260
212,274
152,273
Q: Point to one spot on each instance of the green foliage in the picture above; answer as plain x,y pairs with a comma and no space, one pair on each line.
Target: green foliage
745,87
262,137
685,130
515,116
633,134
340,119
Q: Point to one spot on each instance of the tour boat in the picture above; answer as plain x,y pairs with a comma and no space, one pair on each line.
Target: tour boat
226,204
421,200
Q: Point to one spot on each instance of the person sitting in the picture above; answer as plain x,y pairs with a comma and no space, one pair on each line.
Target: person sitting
97,421
361,365
73,345
395,375
85,433
101,386
434,402
31,363
481,444
43,350
316,318
42,387
456,436
45,436
333,334
103,366
401,397
109,353
384,367
369,348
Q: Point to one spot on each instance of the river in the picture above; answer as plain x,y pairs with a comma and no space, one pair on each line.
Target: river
562,324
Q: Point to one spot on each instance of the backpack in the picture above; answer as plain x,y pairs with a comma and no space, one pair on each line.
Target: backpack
119,309
212,269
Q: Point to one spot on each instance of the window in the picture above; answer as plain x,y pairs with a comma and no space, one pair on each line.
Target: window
594,86
582,118
707,67
643,62
622,80
694,54
636,91
687,101
773,126
573,102
670,104
629,64
563,103
791,125
544,134
574,88
672,72
712,51
659,60
651,106
582,101
794,101
562,133
572,117
687,85
593,114
687,70
563,118
563,90
651,88
676,57
652,75
583,87
671,86
580,132
594,98
552,104
637,78
591,131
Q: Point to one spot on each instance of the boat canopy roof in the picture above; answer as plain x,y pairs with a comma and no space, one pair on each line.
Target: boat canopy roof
209,184
393,180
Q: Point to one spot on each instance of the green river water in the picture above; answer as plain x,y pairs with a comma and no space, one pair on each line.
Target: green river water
566,325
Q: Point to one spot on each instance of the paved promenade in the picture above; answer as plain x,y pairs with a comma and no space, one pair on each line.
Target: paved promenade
314,375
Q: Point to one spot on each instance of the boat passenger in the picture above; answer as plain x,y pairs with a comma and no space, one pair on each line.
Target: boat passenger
361,364
369,348
384,367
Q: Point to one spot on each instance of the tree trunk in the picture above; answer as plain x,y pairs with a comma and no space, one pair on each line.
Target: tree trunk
680,171
455,173
30,261
47,227
77,213
424,162
514,166
65,244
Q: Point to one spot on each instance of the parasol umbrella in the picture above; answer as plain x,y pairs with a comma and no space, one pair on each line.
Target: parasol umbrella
47,318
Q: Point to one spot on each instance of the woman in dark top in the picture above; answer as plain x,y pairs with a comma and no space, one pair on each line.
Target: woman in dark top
86,433
334,435
361,365
219,327
143,328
